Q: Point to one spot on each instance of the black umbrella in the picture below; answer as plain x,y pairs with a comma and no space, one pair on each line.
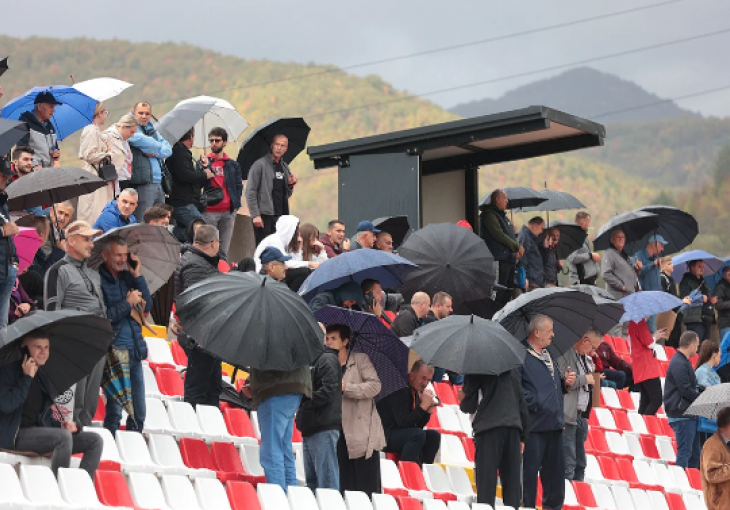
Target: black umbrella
572,237
484,308
258,144
468,345
10,132
451,259
3,65
572,312
555,201
78,341
635,224
51,186
677,227
396,226
609,311
250,320
518,197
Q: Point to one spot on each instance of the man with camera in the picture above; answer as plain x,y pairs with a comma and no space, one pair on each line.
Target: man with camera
405,412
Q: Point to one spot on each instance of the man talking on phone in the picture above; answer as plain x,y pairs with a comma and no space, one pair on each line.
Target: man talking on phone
125,292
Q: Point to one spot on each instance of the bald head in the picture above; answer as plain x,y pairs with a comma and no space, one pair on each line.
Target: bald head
420,302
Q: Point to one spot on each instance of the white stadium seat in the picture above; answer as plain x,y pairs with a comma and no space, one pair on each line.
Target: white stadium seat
165,453
179,493
356,500
330,499
211,494
302,498
78,490
272,497
384,502
146,491
460,483
11,495
250,459
32,478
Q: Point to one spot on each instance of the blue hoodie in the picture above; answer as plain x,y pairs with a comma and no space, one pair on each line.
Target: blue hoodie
111,218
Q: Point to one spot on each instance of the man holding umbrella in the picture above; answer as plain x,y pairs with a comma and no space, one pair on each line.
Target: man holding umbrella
41,135
583,263
9,264
650,273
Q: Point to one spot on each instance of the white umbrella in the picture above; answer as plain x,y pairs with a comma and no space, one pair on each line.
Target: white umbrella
102,89
710,401
222,114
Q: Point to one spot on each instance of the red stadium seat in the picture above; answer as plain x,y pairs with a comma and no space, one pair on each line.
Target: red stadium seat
392,456
664,366
112,489
178,354
433,422
588,445
609,340
674,501
653,426
622,420
445,393
238,422
170,382
196,455
666,429
593,421
296,436
100,410
469,448
413,479
626,401
695,478
626,468
670,352
598,440
648,446
242,496
408,503
620,345
609,468
584,494
227,460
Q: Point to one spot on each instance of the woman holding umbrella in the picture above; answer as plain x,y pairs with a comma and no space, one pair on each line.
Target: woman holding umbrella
362,436
93,151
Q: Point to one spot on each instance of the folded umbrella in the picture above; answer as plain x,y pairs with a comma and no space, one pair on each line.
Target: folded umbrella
157,249
27,243
635,224
554,201
608,312
116,380
712,263
642,304
518,197
388,354
572,237
710,401
258,144
390,270
468,345
221,114
396,226
451,259
51,186
102,89
677,227
572,312
75,112
78,341
250,320
178,121
10,132
696,298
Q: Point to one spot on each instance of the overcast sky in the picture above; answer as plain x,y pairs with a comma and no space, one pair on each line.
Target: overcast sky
351,32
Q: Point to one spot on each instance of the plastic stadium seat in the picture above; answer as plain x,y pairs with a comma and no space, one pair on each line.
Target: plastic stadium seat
469,448
242,496
638,424
413,479
151,388
605,419
622,420
593,473
384,502
391,480
112,489
570,499
679,475
584,494
298,449
211,494
438,482
646,474
185,422
610,471
449,421
610,397
664,477
661,355
407,503
641,499
695,478
459,505
666,450
460,482
11,495
622,498
159,353
632,440
694,502
675,501
465,422
484,506
134,453
648,446
628,473
636,397
239,424
301,498
146,491
627,402
621,345
179,493
355,500
213,425
227,459
603,496
653,426
658,500
178,355
617,445
196,455
599,444
255,423
165,453
170,383
157,420
100,414
452,452
593,420
110,459
272,497
667,430
445,393
250,458
296,436
331,499
434,504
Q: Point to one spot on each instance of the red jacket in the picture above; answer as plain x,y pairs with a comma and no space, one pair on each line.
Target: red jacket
610,360
644,361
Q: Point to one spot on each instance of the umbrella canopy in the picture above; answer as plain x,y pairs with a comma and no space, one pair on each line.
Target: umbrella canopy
396,226
116,380
608,312
677,227
250,320
258,144
178,121
102,89
78,341
712,263
27,243
157,249
710,401
51,186
635,224
468,345
555,201
388,354
572,312
10,132
518,197
3,65
715,277
642,304
221,115
572,237
484,308
390,270
451,259
75,112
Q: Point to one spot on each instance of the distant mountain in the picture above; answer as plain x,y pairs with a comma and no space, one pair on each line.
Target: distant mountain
585,92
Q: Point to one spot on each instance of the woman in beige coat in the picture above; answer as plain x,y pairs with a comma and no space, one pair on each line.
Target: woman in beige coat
93,151
362,436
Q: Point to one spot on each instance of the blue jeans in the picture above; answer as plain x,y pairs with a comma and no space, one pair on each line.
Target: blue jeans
184,215
6,288
688,442
148,195
320,460
617,377
438,376
276,422
574,438
114,410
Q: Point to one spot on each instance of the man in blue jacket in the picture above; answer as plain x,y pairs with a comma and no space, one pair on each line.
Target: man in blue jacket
118,213
650,273
544,386
125,290
532,260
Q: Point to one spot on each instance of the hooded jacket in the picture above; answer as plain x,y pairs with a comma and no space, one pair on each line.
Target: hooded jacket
41,137
323,410
286,227
347,291
111,218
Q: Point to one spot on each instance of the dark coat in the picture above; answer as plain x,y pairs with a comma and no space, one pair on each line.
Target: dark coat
111,218
194,266
402,410
233,179
722,291
543,393
406,322
187,178
686,286
7,244
499,234
680,386
532,260
323,411
502,403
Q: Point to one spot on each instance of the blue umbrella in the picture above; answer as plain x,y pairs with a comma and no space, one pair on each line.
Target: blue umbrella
642,304
697,299
76,112
712,263
715,277
390,270
388,354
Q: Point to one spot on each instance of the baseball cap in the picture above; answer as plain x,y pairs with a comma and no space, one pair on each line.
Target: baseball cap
81,228
657,239
46,97
367,226
271,254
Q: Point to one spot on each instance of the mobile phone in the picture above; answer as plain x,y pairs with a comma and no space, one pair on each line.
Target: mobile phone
25,351
131,262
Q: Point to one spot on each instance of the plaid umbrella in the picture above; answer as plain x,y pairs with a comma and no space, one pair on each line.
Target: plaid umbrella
388,354
645,303
116,381
710,402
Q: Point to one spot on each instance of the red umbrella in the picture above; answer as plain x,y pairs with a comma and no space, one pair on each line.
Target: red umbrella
27,243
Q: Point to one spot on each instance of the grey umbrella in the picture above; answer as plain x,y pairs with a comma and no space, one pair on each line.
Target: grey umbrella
10,132
572,237
554,201
157,249
468,345
635,224
518,196
677,227
608,312
710,401
178,121
51,186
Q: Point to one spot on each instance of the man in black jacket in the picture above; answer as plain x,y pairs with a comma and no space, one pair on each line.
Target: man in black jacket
187,181
722,293
405,412
501,426
200,261
319,420
412,317
680,390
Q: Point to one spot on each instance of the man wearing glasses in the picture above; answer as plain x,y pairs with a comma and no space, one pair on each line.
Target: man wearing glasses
227,177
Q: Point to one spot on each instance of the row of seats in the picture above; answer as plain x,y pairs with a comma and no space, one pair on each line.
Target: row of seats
582,495
632,446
